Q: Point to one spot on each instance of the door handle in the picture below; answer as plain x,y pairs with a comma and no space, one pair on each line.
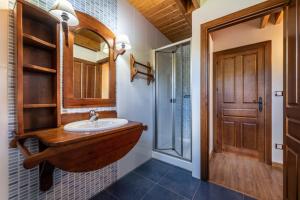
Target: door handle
260,104
172,100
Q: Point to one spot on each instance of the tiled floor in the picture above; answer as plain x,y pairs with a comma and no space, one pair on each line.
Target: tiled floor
156,180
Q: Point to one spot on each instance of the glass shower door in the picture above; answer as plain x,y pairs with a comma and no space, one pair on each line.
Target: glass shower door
164,109
172,104
177,102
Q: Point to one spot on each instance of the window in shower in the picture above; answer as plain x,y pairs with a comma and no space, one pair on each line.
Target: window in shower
173,102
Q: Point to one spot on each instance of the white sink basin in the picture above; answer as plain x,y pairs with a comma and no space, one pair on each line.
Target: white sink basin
99,125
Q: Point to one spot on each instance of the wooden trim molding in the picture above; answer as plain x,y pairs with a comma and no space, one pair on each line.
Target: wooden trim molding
247,14
277,165
92,24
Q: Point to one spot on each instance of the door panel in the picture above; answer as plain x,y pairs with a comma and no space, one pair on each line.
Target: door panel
229,81
292,106
240,113
249,136
228,136
240,82
250,78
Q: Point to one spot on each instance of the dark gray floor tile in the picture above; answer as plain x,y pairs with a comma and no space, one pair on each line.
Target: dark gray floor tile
160,193
153,169
103,196
248,198
131,187
209,191
181,182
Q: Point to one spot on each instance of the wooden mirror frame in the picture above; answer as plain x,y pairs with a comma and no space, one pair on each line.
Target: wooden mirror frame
92,24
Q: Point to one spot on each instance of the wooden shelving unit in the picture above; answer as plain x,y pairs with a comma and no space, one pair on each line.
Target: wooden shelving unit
30,67
38,69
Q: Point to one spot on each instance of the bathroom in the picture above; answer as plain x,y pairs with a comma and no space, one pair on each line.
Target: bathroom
103,99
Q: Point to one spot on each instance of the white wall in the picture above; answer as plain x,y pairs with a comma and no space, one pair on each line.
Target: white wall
210,10
87,54
3,99
84,53
249,33
134,100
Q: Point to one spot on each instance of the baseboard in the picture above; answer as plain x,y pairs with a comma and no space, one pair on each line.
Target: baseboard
172,160
277,165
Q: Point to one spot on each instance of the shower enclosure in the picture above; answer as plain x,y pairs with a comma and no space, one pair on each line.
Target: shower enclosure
173,101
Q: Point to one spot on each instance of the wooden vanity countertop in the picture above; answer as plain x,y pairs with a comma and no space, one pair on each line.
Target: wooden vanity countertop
55,137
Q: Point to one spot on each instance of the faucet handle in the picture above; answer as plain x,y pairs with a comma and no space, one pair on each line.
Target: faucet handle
93,113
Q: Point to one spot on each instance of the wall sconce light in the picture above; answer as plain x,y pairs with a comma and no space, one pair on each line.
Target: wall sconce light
122,44
64,11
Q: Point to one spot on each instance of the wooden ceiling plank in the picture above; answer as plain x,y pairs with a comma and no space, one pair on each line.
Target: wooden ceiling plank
165,9
174,31
158,8
181,35
179,26
165,17
179,32
173,24
179,38
173,19
145,6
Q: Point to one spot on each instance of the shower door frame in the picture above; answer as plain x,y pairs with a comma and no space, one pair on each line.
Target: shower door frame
173,93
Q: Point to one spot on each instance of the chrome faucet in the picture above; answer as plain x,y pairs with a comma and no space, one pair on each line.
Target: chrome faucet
93,116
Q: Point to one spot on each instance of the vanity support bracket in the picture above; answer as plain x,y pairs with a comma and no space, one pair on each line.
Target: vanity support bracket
46,172
45,168
46,175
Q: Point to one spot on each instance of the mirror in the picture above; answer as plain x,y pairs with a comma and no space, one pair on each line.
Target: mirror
89,69
90,65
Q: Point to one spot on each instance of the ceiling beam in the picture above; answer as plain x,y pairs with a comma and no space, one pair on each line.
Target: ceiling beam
264,21
278,17
183,9
196,3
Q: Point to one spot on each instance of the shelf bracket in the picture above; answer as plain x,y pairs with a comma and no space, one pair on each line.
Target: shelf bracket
134,71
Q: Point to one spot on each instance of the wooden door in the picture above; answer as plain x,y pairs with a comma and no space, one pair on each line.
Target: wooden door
292,103
240,99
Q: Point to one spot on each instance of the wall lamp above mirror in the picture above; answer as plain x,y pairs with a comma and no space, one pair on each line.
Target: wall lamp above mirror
122,44
64,11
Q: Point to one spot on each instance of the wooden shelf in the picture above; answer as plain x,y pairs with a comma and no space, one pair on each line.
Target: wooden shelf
27,106
30,67
38,14
32,40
